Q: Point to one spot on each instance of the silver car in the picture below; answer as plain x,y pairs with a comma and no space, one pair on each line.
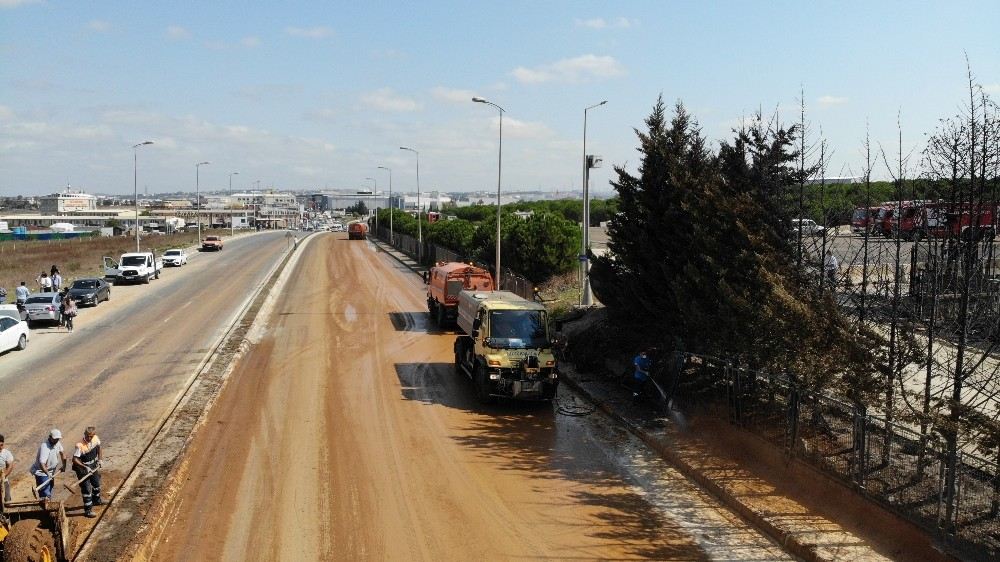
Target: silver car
43,307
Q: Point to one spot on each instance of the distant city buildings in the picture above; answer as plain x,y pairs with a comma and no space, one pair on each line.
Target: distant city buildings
67,201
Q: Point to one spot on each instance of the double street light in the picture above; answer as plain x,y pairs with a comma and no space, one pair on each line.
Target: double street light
135,187
197,190
391,237
586,298
499,170
232,228
420,235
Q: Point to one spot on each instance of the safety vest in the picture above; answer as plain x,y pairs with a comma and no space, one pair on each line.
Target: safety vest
89,451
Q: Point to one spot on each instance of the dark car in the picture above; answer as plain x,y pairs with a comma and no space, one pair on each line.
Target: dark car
90,291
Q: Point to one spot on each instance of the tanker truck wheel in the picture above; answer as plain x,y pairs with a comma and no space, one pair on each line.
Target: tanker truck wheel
440,316
482,382
28,542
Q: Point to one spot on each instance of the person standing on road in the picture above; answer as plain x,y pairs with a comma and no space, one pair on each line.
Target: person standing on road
21,294
87,460
831,267
44,283
48,460
642,364
3,295
6,467
56,279
69,311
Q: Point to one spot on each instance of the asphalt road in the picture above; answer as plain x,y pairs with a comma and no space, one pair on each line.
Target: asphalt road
345,434
128,358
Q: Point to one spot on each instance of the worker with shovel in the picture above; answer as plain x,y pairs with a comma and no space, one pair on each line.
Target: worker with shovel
48,460
87,466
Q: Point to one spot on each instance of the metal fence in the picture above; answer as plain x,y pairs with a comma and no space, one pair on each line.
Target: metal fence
889,462
430,254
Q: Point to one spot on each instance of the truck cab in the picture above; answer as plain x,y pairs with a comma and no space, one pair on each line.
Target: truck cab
505,347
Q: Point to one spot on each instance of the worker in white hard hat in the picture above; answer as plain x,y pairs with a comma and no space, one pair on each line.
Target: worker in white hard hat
49,459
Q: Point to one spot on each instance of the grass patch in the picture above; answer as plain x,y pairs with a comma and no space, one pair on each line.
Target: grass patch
22,260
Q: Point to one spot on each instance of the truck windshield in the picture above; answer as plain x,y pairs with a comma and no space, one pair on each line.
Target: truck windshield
134,260
517,329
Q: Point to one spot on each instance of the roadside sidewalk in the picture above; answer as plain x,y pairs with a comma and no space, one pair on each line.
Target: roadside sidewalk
398,255
813,517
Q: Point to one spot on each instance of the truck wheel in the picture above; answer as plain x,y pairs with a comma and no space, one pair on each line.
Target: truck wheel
145,280
440,316
157,275
28,542
482,381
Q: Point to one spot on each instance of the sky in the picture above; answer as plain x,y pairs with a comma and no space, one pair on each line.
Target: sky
313,95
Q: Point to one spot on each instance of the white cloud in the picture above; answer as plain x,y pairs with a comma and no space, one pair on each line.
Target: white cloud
177,32
452,95
250,41
992,88
827,101
16,3
384,99
321,115
620,22
99,26
317,32
571,70
524,129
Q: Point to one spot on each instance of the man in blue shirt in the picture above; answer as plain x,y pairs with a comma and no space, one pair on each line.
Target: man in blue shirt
642,364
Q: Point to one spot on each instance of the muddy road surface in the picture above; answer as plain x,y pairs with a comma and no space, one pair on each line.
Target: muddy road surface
345,434
127,359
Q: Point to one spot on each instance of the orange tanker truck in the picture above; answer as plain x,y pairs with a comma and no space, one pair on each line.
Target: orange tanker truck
357,231
445,280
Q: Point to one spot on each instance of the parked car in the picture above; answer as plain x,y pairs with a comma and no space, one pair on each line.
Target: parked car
808,227
175,257
13,330
43,307
91,291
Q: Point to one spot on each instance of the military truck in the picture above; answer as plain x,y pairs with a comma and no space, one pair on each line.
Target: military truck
504,346
445,281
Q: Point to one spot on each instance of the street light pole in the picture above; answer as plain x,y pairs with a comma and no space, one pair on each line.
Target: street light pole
197,191
232,229
375,202
499,170
391,237
586,298
420,235
135,187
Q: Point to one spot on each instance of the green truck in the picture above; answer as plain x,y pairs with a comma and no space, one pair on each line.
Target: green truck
504,347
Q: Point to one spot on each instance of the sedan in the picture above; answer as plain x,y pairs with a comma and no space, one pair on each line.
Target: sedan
43,307
13,331
90,291
175,257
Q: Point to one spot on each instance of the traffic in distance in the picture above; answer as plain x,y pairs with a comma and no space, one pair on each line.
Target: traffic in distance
55,305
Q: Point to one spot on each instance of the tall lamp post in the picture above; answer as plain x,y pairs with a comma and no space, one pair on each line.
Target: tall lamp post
586,298
375,201
232,229
420,235
197,191
391,237
499,170
135,187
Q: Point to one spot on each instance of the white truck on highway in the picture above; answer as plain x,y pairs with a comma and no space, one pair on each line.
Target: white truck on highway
133,267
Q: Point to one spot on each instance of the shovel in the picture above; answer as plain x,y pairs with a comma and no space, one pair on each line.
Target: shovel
90,472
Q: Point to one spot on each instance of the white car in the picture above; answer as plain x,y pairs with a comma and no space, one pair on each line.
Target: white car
175,257
13,330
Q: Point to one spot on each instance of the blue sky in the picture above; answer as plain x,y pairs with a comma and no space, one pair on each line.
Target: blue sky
304,95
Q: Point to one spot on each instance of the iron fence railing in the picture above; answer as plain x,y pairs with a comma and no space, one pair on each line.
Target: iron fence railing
428,254
886,461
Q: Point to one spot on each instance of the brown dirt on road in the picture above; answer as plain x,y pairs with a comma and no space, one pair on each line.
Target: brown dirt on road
344,435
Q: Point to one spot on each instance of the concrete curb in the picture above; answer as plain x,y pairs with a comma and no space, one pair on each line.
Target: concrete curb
788,540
